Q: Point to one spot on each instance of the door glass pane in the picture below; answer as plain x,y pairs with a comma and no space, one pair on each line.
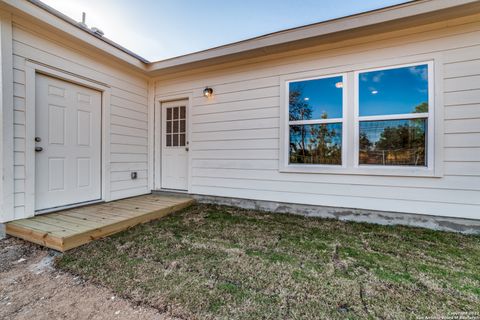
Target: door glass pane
175,113
316,99
175,126
182,125
182,140
175,140
393,91
393,142
169,113
182,113
169,140
316,144
169,126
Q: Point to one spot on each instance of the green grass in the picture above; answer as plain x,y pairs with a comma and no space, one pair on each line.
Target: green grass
226,263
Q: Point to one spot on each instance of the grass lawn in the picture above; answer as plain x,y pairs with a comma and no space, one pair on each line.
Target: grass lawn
220,262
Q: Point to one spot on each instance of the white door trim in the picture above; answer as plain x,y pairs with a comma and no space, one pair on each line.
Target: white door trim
159,99
31,69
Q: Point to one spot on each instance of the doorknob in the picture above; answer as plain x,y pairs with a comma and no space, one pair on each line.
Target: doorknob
38,139
186,149
38,149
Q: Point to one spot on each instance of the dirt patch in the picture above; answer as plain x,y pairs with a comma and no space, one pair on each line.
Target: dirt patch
31,288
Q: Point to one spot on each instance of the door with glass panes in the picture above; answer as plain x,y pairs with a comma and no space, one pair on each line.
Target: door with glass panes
174,145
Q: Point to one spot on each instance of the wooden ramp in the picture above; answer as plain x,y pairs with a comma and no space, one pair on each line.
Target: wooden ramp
64,230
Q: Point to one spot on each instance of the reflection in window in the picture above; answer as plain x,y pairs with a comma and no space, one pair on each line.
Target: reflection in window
393,142
316,143
315,121
316,99
394,91
393,116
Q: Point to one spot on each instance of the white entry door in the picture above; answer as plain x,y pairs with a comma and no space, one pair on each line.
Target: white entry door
174,145
68,143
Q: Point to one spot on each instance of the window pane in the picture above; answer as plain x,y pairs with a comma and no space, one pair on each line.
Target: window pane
316,144
393,142
394,91
316,99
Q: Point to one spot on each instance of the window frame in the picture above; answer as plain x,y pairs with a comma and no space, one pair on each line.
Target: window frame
429,116
303,167
435,132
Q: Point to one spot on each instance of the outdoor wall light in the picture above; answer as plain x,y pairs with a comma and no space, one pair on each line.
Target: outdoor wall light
207,92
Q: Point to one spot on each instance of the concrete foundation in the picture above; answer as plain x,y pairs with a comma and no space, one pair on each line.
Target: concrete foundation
466,226
3,231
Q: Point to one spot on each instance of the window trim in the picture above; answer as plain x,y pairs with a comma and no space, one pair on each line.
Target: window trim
430,116
301,167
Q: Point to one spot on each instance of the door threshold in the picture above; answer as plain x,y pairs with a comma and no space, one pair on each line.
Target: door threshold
69,206
170,191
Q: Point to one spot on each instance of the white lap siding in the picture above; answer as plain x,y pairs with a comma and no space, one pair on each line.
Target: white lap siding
128,107
235,135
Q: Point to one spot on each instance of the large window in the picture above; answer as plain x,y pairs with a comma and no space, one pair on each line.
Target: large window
361,121
393,111
315,113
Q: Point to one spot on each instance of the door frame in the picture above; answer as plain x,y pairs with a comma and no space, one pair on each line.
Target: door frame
159,100
31,69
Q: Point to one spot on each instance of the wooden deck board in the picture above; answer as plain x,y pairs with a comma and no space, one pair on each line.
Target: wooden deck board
71,228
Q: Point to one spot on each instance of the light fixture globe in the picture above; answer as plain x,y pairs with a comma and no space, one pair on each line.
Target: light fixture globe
207,92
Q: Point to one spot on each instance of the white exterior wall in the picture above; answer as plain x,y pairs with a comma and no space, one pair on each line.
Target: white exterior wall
127,111
235,136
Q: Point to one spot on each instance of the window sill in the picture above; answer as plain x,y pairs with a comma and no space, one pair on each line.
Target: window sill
361,170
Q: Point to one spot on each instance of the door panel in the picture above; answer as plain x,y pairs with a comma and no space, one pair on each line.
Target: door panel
68,128
174,145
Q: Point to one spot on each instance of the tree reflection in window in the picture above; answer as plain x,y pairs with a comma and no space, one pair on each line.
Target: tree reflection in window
315,136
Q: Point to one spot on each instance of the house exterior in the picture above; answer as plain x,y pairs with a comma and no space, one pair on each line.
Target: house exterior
372,114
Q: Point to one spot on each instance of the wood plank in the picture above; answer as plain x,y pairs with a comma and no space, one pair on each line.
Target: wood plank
68,229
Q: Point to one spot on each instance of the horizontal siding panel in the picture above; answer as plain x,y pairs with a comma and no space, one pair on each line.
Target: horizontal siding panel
236,164
465,53
128,166
462,126
19,185
19,117
462,97
244,85
462,168
447,182
372,192
462,140
124,103
235,144
462,154
128,113
19,103
462,112
128,148
19,90
125,175
134,132
236,135
236,106
19,158
19,144
236,154
237,125
463,83
122,139
127,122
19,172
462,68
260,113
122,185
238,96
128,157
